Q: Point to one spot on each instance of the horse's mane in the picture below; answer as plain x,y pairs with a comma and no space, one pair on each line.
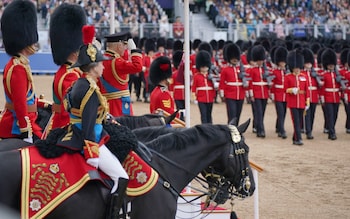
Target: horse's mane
149,133
141,121
186,137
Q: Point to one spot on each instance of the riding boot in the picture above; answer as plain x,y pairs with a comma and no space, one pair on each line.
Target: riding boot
117,199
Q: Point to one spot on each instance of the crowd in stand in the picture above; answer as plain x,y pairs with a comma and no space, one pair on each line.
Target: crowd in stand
277,14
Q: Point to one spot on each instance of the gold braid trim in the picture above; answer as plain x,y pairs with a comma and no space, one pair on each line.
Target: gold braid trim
116,76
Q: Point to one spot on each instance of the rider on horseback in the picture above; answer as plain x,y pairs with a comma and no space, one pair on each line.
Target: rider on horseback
88,109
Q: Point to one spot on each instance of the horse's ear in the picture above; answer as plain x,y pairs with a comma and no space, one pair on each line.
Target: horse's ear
243,127
170,118
233,121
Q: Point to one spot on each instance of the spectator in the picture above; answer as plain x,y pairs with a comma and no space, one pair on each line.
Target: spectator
178,28
164,27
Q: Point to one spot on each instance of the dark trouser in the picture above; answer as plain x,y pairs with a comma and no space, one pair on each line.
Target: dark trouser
180,104
297,117
136,81
234,109
332,116
309,118
324,116
347,111
281,108
259,114
206,111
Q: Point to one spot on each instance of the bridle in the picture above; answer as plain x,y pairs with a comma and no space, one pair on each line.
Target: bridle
221,188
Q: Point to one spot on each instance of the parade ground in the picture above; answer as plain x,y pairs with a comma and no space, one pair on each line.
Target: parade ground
309,181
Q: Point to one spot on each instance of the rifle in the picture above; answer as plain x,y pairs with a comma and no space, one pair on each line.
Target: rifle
316,76
267,75
340,79
243,75
213,75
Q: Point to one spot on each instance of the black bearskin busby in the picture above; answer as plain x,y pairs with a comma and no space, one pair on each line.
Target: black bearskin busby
214,45
232,51
19,26
308,56
169,43
203,59
344,56
258,53
196,43
178,45
161,42
66,35
88,52
150,45
207,47
319,56
295,59
177,57
280,55
329,57
141,43
272,54
249,54
221,44
160,69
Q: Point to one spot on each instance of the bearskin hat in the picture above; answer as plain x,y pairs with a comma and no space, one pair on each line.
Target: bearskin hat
232,51
337,47
221,44
150,45
141,43
178,45
214,45
319,56
88,52
272,54
196,43
329,57
289,45
280,55
160,70
246,45
344,56
258,53
295,59
177,57
203,59
161,42
266,44
66,36
249,54
207,47
19,26
315,47
308,56
169,43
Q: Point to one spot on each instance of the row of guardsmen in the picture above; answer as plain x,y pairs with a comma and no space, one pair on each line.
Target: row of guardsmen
298,78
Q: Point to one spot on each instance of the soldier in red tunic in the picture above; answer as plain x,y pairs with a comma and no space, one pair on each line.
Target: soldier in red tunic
150,49
114,83
330,92
160,73
20,36
203,87
66,37
347,95
177,85
233,83
278,94
296,86
314,82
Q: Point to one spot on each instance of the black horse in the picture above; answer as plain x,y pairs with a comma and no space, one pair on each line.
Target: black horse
178,157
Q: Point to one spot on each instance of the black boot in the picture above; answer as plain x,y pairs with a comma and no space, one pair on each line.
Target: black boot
117,199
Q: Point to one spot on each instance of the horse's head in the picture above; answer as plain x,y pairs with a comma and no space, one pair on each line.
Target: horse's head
231,175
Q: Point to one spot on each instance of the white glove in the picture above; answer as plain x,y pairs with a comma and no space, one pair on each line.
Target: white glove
222,94
216,85
307,107
346,99
93,162
29,140
295,90
272,96
131,44
322,99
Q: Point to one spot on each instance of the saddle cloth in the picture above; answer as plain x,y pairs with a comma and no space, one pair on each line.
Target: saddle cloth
47,182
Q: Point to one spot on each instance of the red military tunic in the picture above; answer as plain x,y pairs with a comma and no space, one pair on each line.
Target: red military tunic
21,101
258,85
203,88
161,98
114,81
177,87
277,88
347,91
313,87
63,80
331,89
300,82
230,83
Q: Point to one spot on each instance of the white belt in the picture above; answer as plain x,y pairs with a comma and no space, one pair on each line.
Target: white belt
234,83
279,86
204,88
261,83
179,87
331,89
312,88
